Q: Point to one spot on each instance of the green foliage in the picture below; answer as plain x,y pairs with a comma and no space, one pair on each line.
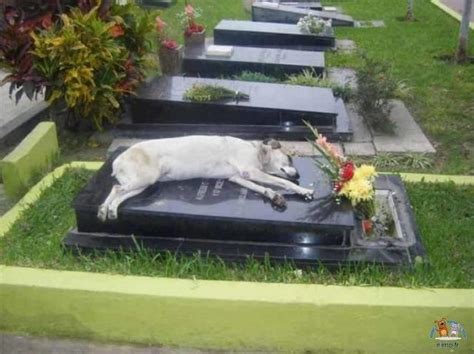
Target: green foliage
212,93
255,77
89,62
35,240
417,161
376,85
385,160
311,78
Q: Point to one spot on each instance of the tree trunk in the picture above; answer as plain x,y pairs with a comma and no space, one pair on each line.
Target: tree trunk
461,53
410,16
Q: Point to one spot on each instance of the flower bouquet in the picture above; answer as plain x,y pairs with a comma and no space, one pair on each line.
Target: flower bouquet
194,33
313,25
170,52
349,181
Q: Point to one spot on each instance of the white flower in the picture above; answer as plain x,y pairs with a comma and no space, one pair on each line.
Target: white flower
312,24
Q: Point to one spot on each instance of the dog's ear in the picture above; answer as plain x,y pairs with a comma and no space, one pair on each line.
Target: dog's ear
264,153
272,143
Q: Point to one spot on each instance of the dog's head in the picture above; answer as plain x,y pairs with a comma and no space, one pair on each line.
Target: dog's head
275,161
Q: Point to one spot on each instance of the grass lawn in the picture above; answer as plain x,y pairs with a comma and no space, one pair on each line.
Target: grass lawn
444,213
442,93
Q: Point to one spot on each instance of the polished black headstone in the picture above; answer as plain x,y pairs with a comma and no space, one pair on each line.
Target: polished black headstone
233,223
313,5
219,209
290,14
269,61
161,101
270,35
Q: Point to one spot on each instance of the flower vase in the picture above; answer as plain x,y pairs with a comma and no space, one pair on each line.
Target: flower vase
195,38
170,60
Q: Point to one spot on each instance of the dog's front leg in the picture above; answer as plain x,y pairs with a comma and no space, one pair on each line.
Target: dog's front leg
277,199
261,177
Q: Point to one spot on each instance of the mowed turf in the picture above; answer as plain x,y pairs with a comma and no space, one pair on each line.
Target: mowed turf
444,212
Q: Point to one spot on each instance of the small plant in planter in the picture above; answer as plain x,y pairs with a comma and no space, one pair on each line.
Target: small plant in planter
376,86
194,33
170,52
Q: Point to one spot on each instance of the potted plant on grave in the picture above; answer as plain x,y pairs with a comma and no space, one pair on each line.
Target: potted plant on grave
170,52
349,181
85,60
194,33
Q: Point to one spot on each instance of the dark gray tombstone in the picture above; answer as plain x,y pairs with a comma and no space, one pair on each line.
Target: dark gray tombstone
312,5
273,109
156,3
290,14
269,61
276,35
222,219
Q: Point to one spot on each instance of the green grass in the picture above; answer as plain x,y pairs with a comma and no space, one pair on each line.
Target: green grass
443,93
444,212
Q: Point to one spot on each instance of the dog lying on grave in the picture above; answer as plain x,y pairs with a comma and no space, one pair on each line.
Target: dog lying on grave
175,159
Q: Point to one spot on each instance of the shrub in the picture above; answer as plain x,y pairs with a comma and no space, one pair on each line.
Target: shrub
376,86
311,78
87,61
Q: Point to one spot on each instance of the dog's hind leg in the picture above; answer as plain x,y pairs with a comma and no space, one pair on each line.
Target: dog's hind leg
261,177
123,193
104,207
277,199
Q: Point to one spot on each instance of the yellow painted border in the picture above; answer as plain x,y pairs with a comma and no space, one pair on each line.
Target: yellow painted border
450,11
224,314
34,193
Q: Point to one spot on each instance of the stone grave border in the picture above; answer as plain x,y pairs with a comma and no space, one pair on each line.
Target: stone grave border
223,314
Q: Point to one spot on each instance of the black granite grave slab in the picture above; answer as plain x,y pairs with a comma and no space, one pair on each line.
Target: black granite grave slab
341,132
312,5
156,3
270,35
269,61
218,209
161,101
225,220
290,14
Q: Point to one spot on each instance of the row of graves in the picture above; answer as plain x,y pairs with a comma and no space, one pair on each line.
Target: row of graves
222,218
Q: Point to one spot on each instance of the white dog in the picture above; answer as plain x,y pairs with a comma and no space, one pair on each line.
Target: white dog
177,159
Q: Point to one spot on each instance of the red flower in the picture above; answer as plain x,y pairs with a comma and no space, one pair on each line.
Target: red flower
159,24
338,186
194,28
347,171
116,31
169,44
367,226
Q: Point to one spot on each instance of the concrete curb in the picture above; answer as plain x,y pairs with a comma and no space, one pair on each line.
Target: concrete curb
450,12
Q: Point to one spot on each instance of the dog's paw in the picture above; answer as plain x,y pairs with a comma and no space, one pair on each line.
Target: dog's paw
309,195
112,214
102,213
279,202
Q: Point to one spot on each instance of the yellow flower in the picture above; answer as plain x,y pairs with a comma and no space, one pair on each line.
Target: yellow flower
357,190
365,171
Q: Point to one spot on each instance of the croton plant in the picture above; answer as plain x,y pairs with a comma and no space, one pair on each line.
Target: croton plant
86,55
